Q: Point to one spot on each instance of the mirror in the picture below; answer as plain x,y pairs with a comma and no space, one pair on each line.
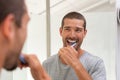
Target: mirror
101,29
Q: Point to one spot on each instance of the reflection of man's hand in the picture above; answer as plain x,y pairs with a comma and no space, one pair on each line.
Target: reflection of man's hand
68,55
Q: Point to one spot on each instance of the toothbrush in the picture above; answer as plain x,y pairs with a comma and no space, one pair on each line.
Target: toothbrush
73,44
22,59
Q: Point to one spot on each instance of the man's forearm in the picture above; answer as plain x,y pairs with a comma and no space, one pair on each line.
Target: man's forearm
40,74
81,71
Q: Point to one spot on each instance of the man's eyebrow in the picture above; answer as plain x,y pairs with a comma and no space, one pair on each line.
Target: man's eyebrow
75,27
79,28
66,27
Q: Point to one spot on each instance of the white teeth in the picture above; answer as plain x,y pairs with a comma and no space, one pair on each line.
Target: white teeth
72,41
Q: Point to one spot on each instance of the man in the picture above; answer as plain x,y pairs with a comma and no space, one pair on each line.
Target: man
72,62
13,28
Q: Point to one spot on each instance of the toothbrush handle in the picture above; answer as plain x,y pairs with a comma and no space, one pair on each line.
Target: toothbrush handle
22,59
73,45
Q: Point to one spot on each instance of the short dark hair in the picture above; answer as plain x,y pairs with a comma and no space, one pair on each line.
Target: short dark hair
15,7
74,15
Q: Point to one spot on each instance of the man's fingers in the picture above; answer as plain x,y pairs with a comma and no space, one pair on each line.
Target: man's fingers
29,60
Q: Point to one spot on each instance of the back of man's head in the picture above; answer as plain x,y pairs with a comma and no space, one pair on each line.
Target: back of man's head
14,7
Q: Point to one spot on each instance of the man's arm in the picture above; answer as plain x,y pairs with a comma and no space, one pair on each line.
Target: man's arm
68,55
36,68
81,71
98,71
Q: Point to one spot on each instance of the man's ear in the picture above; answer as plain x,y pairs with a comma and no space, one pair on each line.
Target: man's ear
8,27
60,31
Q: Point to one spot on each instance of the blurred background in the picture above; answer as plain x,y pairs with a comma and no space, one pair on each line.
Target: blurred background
43,32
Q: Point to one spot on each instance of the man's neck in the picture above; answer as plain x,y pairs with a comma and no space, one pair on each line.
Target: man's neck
2,55
2,59
80,52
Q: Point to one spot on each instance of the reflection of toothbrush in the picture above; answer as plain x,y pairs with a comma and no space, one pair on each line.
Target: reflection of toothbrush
22,59
73,44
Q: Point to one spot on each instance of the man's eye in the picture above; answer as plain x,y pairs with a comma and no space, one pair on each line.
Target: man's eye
67,29
79,30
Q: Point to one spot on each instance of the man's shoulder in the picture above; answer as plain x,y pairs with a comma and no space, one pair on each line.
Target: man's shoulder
90,56
91,59
51,59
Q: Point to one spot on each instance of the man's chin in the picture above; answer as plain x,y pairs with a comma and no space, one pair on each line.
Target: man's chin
10,68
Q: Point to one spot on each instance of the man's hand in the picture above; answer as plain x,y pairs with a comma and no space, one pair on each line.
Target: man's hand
69,56
37,70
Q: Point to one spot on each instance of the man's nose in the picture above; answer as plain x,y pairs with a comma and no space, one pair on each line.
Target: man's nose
72,34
